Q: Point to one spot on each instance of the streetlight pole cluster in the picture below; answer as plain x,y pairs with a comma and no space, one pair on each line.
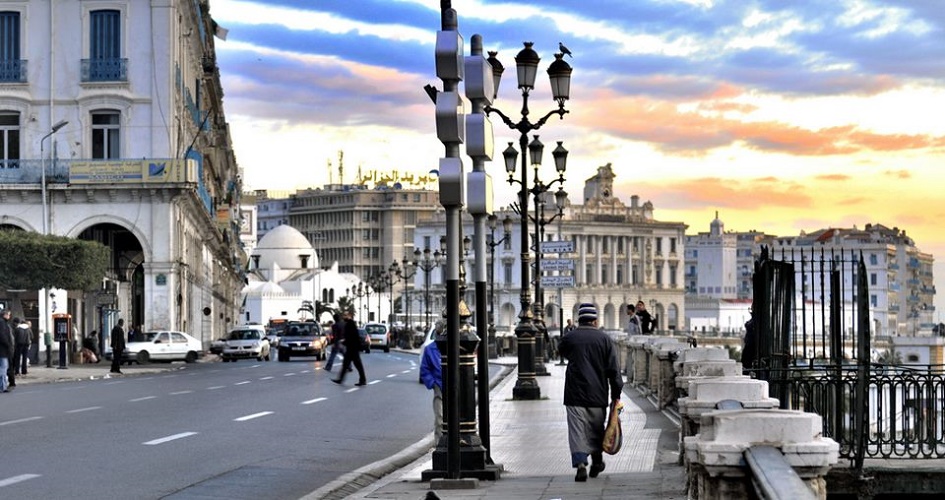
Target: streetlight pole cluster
426,261
406,272
492,243
559,72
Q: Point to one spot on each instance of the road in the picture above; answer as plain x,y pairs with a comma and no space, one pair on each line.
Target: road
209,430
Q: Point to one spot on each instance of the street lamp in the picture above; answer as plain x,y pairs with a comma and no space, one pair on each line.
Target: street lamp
492,243
391,277
426,263
405,273
559,72
359,292
42,155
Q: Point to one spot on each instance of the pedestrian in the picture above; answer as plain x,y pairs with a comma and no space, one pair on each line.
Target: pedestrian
431,374
647,322
352,350
634,327
337,330
570,326
749,344
6,350
592,365
21,349
118,345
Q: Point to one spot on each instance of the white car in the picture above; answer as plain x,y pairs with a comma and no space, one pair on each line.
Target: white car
164,346
379,335
246,342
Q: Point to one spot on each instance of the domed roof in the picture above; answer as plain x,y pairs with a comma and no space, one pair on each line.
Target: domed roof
287,247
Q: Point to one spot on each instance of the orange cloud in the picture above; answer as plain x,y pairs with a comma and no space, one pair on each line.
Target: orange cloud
832,177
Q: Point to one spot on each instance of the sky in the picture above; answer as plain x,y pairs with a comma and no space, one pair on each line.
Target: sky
782,116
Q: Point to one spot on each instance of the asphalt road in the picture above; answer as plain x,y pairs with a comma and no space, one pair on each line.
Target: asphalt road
209,430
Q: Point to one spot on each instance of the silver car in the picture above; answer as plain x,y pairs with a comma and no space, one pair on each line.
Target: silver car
246,343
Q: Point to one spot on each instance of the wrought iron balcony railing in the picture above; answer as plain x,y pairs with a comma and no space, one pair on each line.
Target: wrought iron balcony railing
105,70
13,71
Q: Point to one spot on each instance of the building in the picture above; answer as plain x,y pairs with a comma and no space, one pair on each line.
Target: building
114,131
621,254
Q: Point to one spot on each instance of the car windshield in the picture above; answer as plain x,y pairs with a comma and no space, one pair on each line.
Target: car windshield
376,329
301,330
244,335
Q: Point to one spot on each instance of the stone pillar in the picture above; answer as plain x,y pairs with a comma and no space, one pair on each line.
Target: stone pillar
717,468
666,378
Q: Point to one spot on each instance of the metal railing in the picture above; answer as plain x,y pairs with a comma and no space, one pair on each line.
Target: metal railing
13,71
111,69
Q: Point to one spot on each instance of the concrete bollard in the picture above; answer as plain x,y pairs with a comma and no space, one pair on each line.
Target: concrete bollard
666,354
717,469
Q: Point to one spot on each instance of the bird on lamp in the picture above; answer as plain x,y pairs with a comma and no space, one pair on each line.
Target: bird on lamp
564,50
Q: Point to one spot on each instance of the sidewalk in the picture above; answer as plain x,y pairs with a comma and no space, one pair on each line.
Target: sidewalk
529,439
39,374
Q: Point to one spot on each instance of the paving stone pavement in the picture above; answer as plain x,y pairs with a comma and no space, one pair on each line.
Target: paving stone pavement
529,439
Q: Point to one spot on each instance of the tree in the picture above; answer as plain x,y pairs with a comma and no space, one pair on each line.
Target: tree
32,261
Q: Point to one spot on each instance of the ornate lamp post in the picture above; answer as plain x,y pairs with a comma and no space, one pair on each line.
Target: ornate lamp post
559,72
391,277
492,243
407,272
359,292
426,262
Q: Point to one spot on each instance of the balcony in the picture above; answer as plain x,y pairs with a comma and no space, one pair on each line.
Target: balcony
13,71
154,170
105,70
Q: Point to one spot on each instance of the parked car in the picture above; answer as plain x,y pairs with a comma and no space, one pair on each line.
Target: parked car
379,335
216,347
246,342
164,345
365,340
302,338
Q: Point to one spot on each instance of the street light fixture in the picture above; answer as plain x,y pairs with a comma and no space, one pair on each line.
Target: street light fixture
391,277
405,273
492,243
426,263
559,73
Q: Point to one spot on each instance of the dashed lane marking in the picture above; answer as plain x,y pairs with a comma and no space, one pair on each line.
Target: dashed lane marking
215,387
254,415
135,400
267,378
17,479
311,401
178,393
374,382
80,410
352,389
169,438
243,382
288,374
406,371
392,375
19,421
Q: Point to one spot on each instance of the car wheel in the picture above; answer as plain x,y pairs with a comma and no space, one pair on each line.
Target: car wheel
143,358
191,357
386,348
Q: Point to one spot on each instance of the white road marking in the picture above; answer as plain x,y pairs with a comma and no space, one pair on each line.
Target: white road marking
374,382
287,374
254,415
135,400
243,382
180,392
352,389
215,387
406,371
267,378
310,401
392,375
17,479
80,410
19,421
169,438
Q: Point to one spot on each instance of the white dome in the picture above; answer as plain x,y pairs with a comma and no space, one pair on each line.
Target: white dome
285,246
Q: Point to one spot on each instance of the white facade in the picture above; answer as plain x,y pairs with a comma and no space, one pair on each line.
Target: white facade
143,165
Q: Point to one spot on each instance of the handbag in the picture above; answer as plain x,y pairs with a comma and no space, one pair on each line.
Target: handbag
613,435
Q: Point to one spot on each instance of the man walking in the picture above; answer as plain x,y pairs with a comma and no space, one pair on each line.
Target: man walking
352,351
21,350
431,373
118,345
6,349
592,365
647,322
337,336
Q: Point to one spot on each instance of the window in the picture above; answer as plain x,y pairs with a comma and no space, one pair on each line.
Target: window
873,300
873,279
873,259
507,273
12,69
672,276
105,63
10,137
659,246
105,131
672,245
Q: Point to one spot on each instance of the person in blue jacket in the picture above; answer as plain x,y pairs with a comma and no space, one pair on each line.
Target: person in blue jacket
431,374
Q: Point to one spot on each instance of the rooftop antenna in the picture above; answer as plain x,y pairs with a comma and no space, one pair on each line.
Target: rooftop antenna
330,176
341,166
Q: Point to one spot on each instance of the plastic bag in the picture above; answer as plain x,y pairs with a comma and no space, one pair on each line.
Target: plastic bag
613,435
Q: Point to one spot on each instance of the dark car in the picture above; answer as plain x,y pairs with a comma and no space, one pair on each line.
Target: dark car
365,340
302,338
